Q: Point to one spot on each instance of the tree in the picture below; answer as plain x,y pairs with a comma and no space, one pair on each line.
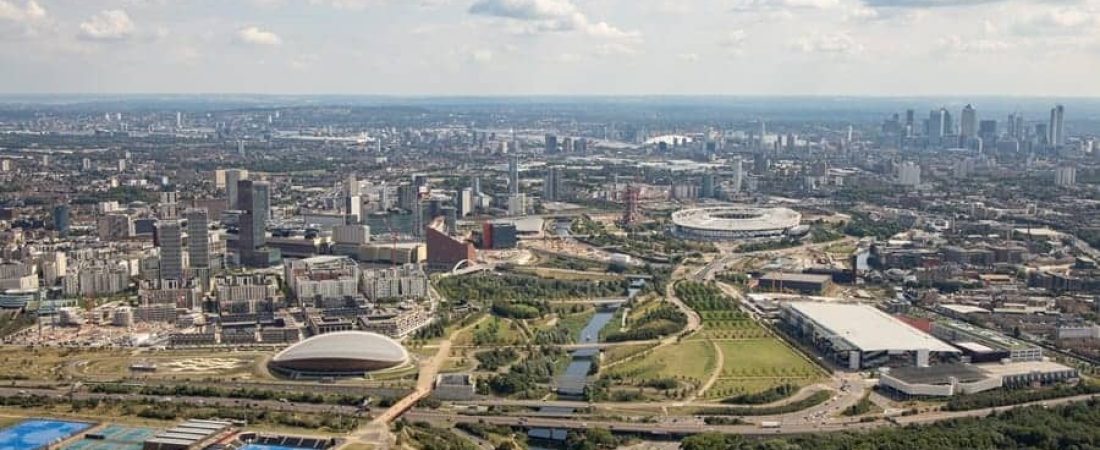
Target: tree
712,441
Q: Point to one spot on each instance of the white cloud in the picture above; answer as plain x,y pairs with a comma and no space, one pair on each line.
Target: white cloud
567,58
303,62
1056,21
548,16
615,49
352,5
481,56
829,43
925,3
733,41
253,35
754,5
21,19
860,12
30,11
956,44
107,25
733,38
688,57
186,55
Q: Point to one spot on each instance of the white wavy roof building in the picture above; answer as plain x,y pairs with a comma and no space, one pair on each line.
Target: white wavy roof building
340,353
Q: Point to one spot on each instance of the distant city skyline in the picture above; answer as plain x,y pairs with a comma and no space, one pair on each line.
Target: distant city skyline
553,47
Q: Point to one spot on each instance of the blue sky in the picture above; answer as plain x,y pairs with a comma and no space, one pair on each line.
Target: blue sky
563,47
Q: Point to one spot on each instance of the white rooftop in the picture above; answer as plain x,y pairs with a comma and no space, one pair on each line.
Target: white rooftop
868,328
964,309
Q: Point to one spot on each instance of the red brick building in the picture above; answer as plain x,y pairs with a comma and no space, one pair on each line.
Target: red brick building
445,251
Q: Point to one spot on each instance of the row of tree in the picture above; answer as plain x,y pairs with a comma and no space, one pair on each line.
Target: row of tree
1069,427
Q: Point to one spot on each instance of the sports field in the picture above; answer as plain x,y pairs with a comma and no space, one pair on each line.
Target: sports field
38,433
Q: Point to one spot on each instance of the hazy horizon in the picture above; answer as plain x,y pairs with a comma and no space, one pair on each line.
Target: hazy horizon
866,48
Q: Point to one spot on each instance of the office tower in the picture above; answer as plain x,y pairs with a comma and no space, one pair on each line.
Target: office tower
1020,131
1057,127
1065,176
198,237
517,205
513,175
418,217
910,117
179,119
738,175
254,199
351,186
706,190
987,130
5,165
420,180
1042,134
551,185
240,148
760,163
170,241
580,145
450,218
466,202
86,164
122,165
909,174
169,205
406,197
61,219
939,123
353,207
476,185
567,145
232,179
968,126
551,144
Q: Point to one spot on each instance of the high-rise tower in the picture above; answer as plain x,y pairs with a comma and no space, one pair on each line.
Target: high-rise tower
1057,127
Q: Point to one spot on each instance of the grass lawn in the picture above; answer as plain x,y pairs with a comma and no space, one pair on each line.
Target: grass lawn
756,365
761,357
618,353
693,360
575,322
494,331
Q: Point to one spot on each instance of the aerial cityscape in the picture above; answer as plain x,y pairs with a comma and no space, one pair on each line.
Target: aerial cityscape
450,261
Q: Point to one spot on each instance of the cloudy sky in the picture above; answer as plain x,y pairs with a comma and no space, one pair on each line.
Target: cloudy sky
500,47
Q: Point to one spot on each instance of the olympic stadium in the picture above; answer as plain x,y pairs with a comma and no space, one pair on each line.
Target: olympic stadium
339,354
722,223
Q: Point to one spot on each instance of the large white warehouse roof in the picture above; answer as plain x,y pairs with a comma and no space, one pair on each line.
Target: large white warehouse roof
869,329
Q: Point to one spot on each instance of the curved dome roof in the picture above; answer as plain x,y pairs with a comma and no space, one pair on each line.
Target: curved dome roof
345,345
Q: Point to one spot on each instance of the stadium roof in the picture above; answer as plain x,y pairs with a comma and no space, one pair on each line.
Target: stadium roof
736,218
869,329
354,345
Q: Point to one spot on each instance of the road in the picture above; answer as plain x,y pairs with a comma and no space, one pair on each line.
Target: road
794,423
377,431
